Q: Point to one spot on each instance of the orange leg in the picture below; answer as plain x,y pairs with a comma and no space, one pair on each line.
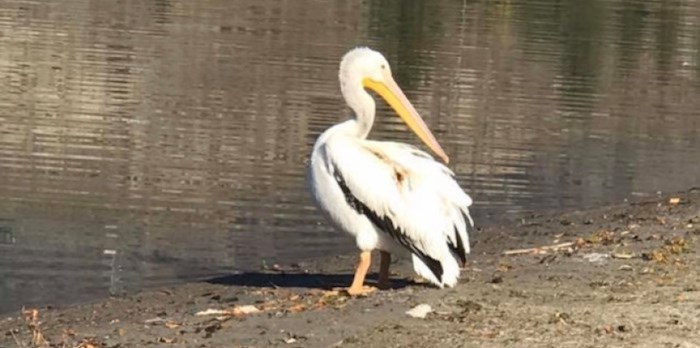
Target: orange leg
383,281
357,287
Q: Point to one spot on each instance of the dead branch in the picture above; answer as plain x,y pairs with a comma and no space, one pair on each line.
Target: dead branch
538,250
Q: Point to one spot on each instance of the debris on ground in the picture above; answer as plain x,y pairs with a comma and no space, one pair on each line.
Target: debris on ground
420,311
623,276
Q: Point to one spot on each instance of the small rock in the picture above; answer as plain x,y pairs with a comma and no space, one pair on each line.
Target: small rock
420,311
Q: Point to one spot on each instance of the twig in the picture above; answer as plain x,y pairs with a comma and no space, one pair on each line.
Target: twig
19,344
538,249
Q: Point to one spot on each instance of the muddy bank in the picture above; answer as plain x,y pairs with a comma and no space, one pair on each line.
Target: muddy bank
619,276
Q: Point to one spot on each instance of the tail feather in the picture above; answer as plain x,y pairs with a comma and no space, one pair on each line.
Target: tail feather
450,273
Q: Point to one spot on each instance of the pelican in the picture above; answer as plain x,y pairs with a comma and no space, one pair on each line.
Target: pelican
388,195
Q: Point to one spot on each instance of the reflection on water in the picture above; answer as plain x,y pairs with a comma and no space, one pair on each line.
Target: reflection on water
146,142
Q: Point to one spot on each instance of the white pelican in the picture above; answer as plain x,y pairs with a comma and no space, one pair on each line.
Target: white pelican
389,195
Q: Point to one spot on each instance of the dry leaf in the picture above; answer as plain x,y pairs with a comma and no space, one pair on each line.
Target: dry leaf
596,257
243,310
658,256
677,245
330,293
504,267
602,237
166,340
268,306
69,332
489,333
88,343
171,325
297,308
674,200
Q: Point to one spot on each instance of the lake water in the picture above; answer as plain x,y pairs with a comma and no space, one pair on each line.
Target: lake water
153,142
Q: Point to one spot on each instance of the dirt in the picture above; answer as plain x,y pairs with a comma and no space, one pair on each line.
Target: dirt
628,277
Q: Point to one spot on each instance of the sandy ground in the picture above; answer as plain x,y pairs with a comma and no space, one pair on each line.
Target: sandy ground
628,278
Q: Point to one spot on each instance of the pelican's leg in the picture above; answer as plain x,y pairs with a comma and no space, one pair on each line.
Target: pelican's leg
383,281
357,287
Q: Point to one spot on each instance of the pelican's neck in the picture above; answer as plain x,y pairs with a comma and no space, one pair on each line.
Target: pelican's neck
362,104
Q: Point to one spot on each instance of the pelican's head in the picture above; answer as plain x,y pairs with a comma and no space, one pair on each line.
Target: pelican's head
363,68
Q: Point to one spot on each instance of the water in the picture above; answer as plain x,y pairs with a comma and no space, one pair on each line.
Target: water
152,142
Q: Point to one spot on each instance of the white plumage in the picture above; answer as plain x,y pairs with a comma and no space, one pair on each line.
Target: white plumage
389,195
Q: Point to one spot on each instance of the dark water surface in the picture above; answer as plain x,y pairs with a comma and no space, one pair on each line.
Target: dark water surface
151,142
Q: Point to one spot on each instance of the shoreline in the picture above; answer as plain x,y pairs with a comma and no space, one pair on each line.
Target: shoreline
623,275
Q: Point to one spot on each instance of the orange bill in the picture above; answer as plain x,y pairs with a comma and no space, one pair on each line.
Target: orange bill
390,91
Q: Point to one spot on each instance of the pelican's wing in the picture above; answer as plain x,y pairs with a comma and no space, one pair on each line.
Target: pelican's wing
438,180
406,194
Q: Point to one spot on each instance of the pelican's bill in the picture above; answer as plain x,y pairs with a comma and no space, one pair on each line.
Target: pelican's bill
394,96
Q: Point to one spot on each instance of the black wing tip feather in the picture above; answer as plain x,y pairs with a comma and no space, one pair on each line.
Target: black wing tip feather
458,249
385,224
434,265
